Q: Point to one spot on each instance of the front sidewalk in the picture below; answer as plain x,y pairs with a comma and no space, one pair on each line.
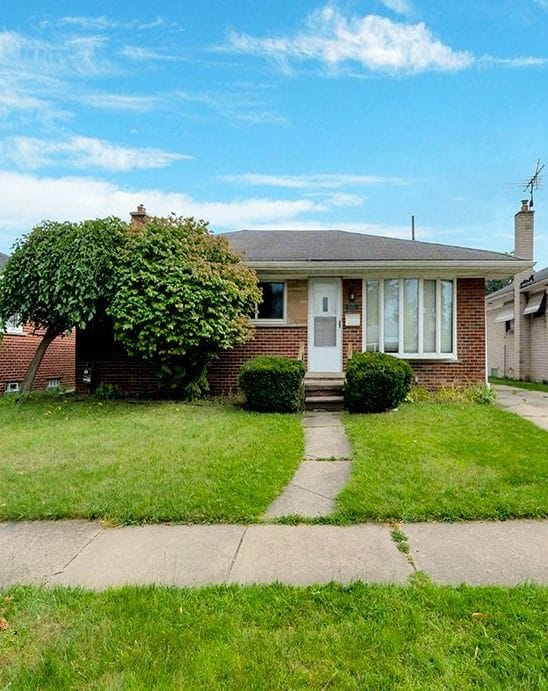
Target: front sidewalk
531,405
83,553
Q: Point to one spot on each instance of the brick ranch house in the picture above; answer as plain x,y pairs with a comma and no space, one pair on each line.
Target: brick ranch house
17,349
330,293
517,321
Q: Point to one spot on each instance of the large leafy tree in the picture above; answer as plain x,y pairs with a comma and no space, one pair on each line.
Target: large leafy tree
494,284
59,276
181,297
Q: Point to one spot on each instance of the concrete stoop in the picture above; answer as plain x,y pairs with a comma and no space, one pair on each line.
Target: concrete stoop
324,393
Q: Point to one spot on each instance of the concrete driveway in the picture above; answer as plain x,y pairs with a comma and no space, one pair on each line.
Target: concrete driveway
532,405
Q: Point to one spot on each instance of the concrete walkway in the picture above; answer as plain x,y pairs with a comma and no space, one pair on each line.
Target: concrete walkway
532,405
83,553
323,473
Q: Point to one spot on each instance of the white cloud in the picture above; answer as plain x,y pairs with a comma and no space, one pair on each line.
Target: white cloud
109,101
398,6
141,54
376,43
525,61
84,152
241,106
103,23
25,58
88,23
11,100
28,198
318,180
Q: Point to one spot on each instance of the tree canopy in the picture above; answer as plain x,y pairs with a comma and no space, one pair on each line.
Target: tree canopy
175,293
181,297
58,277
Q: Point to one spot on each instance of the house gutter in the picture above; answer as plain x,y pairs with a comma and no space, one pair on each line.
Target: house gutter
463,268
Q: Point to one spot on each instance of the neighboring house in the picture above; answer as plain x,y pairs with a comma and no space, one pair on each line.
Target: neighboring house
329,294
532,356
517,325
17,348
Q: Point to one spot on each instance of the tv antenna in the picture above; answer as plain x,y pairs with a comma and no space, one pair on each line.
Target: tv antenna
534,183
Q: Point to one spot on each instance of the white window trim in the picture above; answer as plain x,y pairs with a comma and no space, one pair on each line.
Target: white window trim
16,384
273,322
452,357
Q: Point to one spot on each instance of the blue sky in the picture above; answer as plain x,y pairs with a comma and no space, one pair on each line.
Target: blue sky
353,114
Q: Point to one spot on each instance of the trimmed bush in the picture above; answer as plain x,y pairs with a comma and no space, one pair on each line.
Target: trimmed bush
376,382
273,384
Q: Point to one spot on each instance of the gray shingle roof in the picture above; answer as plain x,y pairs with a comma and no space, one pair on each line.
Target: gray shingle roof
536,277
339,245
3,258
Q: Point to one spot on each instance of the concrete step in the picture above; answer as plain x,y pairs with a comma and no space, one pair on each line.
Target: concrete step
324,402
315,384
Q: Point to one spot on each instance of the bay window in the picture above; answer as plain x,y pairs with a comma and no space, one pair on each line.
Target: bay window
410,316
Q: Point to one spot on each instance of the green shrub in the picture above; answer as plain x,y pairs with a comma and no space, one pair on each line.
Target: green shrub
376,382
480,393
107,391
273,383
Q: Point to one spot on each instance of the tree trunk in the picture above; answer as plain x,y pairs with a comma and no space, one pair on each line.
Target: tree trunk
36,361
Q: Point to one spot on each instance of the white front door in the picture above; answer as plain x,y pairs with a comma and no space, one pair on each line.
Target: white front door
324,325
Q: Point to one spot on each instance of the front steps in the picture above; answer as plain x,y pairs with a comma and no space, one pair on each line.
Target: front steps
324,392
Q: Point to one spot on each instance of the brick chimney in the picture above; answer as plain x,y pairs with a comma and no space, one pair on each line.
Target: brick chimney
524,223
139,217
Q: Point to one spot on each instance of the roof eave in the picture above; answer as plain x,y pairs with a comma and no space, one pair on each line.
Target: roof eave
495,268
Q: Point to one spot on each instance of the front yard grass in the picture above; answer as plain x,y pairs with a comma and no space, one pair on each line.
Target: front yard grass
530,385
145,462
444,462
275,637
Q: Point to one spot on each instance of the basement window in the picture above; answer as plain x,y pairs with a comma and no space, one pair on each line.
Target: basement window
54,384
13,387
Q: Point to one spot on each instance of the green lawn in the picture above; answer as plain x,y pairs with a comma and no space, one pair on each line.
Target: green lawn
275,637
444,462
142,462
531,385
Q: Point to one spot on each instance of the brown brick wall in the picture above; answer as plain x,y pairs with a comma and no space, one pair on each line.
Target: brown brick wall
269,340
17,351
352,335
95,346
470,367
113,366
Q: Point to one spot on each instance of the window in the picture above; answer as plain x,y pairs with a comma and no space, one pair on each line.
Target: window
410,316
13,387
54,384
14,326
272,307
